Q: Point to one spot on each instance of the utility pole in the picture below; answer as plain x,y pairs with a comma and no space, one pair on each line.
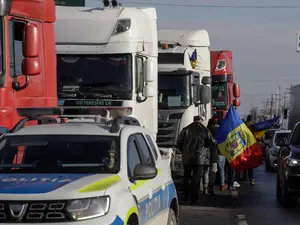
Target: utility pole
272,104
278,101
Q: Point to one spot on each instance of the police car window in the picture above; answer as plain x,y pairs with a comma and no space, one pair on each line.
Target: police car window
60,154
152,145
133,157
144,149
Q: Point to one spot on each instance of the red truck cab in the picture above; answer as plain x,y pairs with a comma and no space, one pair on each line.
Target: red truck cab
224,91
28,57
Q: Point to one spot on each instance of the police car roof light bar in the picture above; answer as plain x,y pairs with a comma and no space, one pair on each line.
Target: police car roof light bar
117,113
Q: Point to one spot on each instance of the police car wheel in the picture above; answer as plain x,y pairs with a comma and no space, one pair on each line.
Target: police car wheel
172,218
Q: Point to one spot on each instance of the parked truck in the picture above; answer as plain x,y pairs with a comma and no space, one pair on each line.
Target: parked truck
225,92
107,56
183,84
28,65
292,115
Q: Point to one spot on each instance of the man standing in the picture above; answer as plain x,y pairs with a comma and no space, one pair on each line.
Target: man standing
222,161
249,122
212,126
193,142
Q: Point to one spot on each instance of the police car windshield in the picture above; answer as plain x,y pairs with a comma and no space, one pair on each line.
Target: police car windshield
59,154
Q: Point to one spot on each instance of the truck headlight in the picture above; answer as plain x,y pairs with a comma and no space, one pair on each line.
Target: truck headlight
88,208
122,26
293,162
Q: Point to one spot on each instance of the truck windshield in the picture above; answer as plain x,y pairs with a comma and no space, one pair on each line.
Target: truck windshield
219,95
174,91
113,72
59,154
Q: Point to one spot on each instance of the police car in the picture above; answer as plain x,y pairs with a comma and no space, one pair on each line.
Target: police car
83,173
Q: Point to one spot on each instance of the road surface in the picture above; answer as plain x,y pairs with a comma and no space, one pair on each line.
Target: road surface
248,206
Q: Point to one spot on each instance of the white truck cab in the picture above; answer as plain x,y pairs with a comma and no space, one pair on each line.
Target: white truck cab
107,56
83,173
183,82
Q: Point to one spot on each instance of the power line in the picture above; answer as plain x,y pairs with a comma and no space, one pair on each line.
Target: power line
216,6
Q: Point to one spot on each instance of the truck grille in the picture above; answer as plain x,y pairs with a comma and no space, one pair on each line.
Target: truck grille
167,133
33,211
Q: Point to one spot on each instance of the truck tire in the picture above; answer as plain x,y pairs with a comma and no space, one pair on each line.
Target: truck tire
172,220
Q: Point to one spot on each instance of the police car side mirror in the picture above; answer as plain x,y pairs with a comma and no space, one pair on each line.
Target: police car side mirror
144,172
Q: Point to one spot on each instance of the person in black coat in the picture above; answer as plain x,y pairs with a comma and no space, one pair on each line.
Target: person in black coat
193,142
214,157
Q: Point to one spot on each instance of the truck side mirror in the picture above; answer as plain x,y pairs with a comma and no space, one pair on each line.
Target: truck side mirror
236,90
206,80
236,102
148,91
204,94
149,71
31,67
31,51
31,41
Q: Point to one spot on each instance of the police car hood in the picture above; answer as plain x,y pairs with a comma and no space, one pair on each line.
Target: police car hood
54,186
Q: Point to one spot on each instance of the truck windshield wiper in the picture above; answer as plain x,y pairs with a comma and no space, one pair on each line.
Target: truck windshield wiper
99,89
104,85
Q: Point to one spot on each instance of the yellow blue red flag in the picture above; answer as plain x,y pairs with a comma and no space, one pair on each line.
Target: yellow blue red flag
194,59
237,143
259,129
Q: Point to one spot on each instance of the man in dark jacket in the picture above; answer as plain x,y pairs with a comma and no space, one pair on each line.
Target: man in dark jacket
250,122
193,142
214,157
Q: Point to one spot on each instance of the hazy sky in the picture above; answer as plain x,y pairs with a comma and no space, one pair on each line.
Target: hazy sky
263,41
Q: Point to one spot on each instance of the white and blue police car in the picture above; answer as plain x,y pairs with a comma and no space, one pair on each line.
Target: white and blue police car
83,173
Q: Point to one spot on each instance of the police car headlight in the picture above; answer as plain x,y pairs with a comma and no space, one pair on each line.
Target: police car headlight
82,209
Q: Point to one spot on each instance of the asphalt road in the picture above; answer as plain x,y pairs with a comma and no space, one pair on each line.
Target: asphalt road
247,206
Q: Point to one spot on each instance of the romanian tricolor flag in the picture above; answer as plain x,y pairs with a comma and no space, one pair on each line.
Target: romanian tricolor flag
259,129
194,59
237,143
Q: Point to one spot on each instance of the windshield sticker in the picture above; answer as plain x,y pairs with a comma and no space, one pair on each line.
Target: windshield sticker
89,102
174,101
219,96
35,183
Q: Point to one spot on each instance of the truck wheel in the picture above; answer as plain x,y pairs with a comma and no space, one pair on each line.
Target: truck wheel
172,218
287,200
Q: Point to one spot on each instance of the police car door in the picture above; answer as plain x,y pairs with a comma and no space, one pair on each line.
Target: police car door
153,204
141,190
